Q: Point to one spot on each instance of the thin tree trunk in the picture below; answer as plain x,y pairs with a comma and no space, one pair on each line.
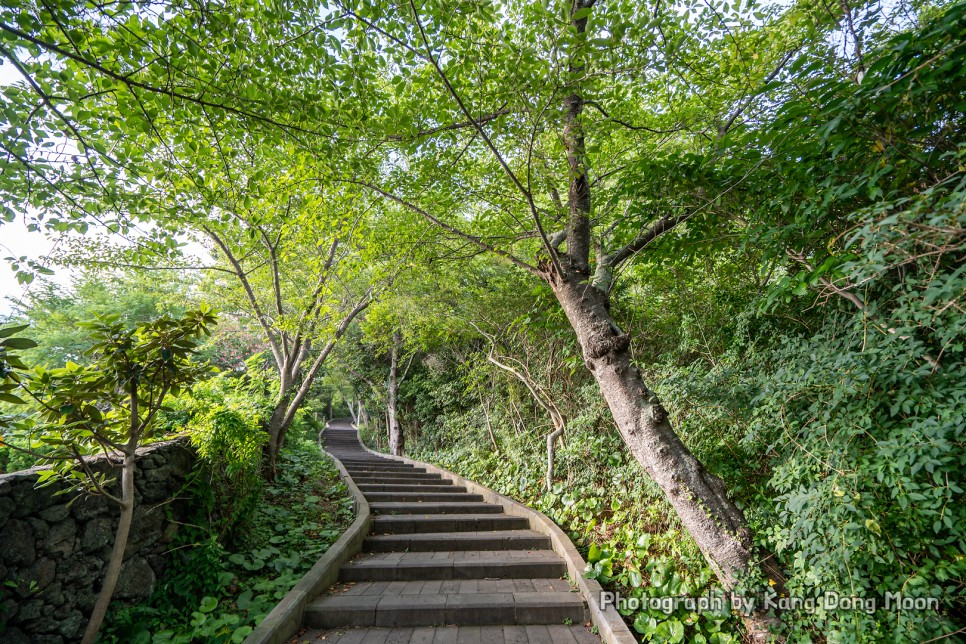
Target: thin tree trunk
276,434
551,450
489,425
352,411
699,497
113,571
396,438
543,400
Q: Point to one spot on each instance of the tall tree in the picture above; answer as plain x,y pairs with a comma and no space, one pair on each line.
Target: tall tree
619,109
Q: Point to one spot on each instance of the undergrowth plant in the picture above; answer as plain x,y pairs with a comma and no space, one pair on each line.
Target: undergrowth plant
216,595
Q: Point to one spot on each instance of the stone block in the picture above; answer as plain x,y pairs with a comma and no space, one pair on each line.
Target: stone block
7,506
18,541
55,513
136,581
98,533
60,540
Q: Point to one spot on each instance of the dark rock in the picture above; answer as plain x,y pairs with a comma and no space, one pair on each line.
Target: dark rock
29,499
60,539
6,509
71,625
54,595
13,636
32,609
55,513
48,639
90,506
146,529
42,573
85,600
155,491
158,564
98,533
8,611
79,568
136,581
41,529
18,548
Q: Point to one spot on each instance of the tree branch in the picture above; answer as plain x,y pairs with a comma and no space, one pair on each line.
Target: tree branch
250,293
661,226
489,143
456,231
486,118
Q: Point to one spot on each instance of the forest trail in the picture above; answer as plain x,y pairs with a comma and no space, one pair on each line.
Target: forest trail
441,566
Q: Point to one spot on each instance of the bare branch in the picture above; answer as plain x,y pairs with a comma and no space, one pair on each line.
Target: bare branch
263,320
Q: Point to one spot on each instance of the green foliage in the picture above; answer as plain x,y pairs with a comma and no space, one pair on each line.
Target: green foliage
11,369
110,403
56,314
224,416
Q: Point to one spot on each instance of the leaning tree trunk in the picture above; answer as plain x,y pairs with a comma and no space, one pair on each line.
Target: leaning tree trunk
698,496
113,572
396,438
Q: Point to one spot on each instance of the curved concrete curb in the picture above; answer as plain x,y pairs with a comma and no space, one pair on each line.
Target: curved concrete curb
285,620
610,625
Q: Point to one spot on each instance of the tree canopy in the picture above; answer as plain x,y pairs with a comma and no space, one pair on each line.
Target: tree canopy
721,242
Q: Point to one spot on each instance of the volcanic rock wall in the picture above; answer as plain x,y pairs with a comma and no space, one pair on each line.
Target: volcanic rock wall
53,552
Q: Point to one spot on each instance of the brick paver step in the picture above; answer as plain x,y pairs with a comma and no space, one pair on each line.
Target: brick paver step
428,610
416,523
367,471
468,564
421,497
444,486
536,634
457,507
451,541
450,587
398,478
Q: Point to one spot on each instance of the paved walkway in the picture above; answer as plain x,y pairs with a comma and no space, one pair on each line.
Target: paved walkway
442,566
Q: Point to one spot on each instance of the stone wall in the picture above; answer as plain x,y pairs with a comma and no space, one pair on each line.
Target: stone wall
52,554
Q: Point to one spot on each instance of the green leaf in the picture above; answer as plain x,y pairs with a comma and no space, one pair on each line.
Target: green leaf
18,343
10,398
10,330
208,604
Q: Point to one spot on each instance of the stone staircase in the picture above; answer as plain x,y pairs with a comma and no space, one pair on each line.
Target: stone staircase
441,566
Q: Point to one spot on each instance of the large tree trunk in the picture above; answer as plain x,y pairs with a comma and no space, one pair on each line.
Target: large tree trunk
699,497
396,438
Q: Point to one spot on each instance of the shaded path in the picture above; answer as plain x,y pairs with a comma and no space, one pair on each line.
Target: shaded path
441,566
